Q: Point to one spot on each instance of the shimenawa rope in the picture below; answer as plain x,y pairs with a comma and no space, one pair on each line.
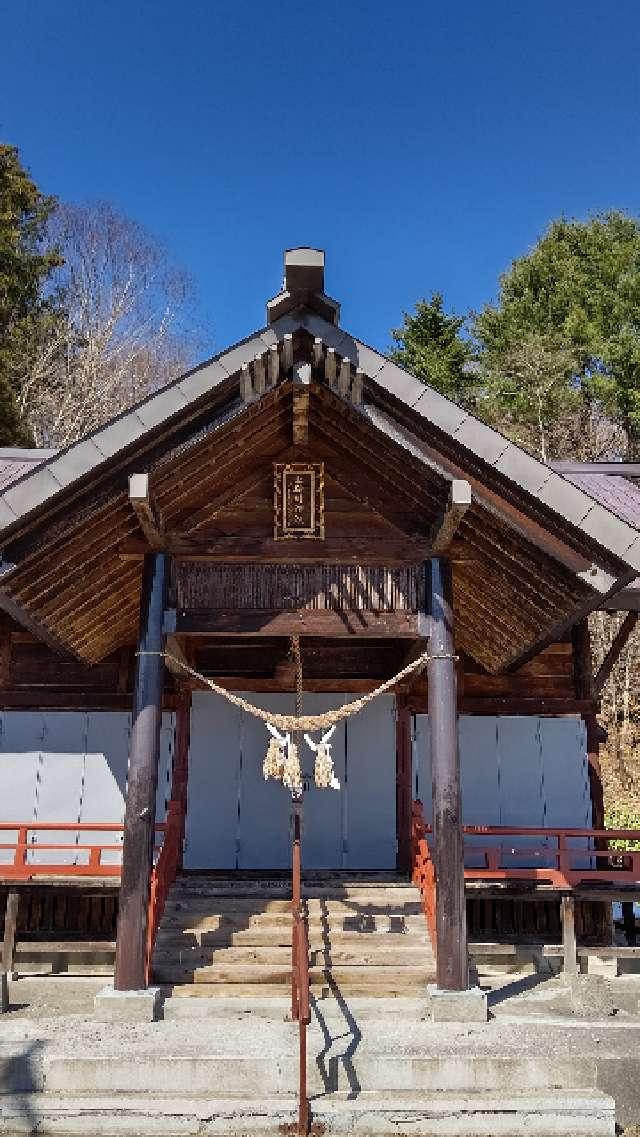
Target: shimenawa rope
309,723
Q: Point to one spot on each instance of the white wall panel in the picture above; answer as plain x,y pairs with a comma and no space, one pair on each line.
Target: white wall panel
20,743
60,777
515,771
212,787
480,779
71,766
567,795
236,818
264,837
106,762
165,765
324,809
371,787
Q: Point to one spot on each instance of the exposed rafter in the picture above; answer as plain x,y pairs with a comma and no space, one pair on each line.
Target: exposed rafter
143,507
449,520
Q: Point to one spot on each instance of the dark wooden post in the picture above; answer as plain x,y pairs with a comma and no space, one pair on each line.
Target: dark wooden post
140,813
452,963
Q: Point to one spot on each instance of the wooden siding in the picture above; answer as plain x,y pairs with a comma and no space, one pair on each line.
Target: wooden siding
306,587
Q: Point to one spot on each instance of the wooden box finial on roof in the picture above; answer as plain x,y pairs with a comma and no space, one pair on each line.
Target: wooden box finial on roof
303,287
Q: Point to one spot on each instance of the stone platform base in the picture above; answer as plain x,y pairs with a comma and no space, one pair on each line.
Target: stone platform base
127,1006
457,1006
552,1113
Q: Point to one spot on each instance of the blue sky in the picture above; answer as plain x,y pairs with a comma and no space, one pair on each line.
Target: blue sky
423,146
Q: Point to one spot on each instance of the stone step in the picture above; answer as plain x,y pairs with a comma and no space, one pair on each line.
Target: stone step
401,956
544,1113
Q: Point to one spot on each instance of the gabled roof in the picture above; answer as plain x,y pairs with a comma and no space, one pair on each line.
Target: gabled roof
116,439
583,548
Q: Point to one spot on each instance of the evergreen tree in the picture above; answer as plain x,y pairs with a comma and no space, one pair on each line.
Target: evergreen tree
576,295
430,344
25,265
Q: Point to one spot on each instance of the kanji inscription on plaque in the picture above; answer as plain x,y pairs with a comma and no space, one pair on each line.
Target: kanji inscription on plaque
298,500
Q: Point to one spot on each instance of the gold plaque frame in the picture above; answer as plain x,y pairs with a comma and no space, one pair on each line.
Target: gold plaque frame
298,496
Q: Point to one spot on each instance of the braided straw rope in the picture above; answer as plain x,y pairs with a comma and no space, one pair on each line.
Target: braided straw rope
309,723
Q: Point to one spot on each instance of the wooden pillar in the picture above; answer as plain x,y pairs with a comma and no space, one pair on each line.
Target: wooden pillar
8,947
452,963
569,949
140,813
404,795
584,689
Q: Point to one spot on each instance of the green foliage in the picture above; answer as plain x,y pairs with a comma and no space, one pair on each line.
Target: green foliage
578,291
25,264
619,818
431,346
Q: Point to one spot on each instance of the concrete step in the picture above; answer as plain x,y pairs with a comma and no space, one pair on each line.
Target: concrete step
321,988
257,1070
544,1113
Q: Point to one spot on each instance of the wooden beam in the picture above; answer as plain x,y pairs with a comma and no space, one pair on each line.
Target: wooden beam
287,354
140,499
330,367
300,415
339,550
448,523
611,658
5,651
626,600
140,813
344,379
582,661
41,699
357,624
174,648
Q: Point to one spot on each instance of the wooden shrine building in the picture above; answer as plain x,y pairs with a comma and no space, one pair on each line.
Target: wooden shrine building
301,489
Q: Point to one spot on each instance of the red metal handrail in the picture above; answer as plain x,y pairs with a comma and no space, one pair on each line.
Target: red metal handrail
423,872
163,875
300,993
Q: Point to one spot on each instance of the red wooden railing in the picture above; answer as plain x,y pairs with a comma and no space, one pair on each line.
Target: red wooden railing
24,867
557,847
607,866
300,995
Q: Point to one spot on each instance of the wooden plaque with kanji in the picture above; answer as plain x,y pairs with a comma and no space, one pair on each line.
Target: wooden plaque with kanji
298,500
